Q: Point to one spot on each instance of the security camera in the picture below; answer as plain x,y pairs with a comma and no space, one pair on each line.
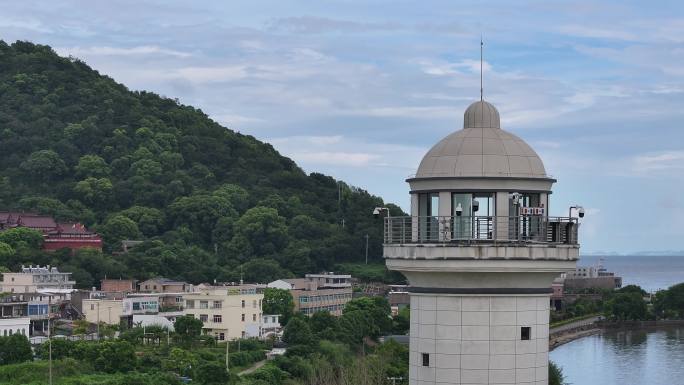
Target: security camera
476,205
376,212
581,212
515,197
459,210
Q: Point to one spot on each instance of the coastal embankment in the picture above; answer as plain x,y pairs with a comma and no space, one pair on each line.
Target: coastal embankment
594,325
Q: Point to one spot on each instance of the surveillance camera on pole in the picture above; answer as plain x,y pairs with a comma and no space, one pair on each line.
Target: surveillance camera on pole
580,211
459,210
377,212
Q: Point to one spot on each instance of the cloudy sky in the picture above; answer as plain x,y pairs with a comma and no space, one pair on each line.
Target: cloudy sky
362,89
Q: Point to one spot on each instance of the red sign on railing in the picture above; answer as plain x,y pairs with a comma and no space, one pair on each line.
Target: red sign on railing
532,211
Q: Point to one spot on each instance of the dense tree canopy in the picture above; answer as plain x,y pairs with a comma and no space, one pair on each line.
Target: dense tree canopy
278,301
670,303
188,327
14,349
133,165
627,306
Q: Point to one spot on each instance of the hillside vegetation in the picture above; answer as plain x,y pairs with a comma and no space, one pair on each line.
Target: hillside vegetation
210,203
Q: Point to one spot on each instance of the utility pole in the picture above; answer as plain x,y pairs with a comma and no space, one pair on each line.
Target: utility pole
227,353
366,249
49,336
98,319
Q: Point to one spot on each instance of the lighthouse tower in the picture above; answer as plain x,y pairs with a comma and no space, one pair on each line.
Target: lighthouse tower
480,252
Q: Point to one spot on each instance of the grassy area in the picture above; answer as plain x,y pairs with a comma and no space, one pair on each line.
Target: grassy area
72,372
571,320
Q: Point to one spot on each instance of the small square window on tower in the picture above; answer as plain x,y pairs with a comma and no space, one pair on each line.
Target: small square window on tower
426,359
525,333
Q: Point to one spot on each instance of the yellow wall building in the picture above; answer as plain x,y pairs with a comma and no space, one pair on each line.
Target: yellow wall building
228,312
108,311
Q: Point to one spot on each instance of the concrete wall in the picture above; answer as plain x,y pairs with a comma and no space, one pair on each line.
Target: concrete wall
125,285
477,339
586,283
103,310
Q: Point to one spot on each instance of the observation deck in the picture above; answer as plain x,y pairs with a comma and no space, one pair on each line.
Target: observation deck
481,238
466,230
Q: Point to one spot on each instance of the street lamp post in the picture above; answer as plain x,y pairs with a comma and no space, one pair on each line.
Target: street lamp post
98,319
366,249
49,339
227,354
49,294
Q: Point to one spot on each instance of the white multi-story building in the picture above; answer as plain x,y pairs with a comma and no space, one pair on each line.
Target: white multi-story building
480,252
270,325
9,326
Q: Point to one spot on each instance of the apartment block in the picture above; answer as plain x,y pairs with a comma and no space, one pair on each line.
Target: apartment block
318,292
228,312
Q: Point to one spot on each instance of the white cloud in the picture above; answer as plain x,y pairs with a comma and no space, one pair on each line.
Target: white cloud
84,52
659,162
596,32
414,112
354,159
314,152
441,68
314,140
546,144
210,74
27,24
234,120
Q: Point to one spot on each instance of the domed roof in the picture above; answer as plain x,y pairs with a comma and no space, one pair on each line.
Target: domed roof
481,149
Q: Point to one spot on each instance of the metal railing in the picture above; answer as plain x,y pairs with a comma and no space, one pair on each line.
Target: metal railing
460,229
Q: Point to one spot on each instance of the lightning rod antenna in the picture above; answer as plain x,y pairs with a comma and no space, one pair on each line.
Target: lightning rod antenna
481,88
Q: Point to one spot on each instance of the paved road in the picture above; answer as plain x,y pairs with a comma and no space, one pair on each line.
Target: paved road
252,368
574,325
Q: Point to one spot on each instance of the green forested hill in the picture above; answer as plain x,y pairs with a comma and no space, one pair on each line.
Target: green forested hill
209,202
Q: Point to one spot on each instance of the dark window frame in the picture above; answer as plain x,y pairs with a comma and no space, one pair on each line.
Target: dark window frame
525,333
426,359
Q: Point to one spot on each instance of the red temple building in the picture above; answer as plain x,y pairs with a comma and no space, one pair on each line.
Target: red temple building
67,235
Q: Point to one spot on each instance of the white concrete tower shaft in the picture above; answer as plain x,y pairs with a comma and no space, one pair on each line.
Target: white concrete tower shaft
480,252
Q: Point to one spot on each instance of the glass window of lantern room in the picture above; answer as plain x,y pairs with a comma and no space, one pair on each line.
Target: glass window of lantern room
428,211
462,226
526,227
485,204
483,218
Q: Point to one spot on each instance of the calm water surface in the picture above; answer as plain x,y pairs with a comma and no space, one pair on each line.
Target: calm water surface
624,358
650,272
